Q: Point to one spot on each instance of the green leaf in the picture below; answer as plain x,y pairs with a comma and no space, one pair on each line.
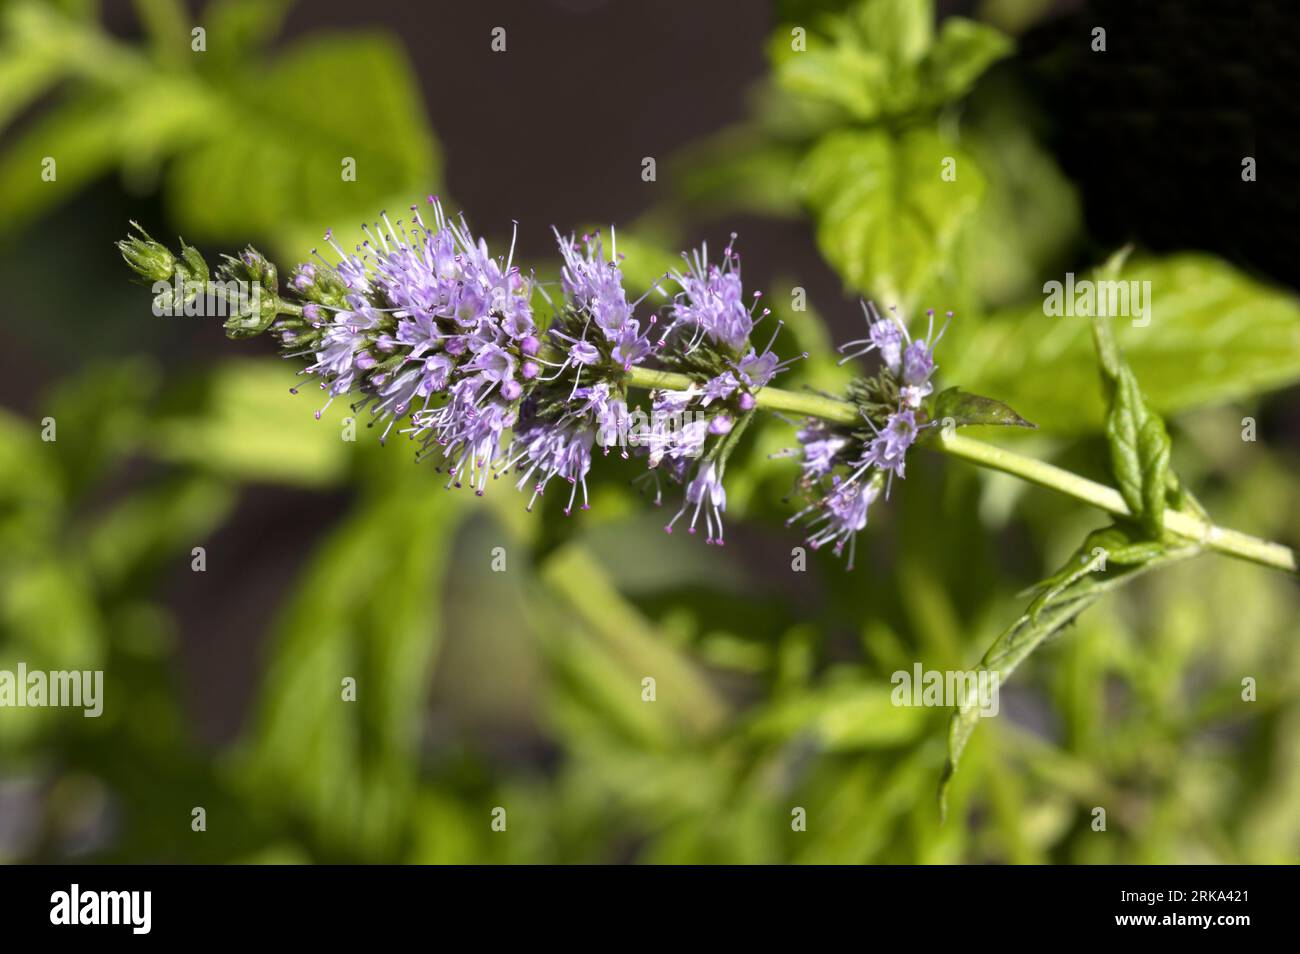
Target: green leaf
29,62
1108,559
881,60
630,643
242,26
886,219
246,425
257,149
900,30
167,24
1139,443
837,74
86,136
273,159
1215,335
739,170
1139,451
840,717
965,409
961,54
367,609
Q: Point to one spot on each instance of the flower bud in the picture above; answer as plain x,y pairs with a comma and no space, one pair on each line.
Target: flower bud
147,258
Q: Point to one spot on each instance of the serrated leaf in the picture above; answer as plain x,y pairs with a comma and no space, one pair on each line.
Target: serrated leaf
882,60
1139,451
886,219
1139,443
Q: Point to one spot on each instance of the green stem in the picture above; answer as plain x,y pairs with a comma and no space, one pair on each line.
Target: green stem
1035,471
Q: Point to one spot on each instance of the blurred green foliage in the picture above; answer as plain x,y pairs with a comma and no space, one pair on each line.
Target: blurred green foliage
245,143
523,689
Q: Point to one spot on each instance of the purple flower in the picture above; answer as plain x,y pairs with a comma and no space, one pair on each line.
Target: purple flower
706,492
842,514
918,365
584,352
421,333
344,339
598,405
594,284
672,433
711,302
630,345
680,441
421,290
883,334
467,432
304,276
821,449
756,370
493,362
888,450
842,511
719,388
545,450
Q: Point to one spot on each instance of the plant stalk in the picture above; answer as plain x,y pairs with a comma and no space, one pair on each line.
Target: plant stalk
1186,525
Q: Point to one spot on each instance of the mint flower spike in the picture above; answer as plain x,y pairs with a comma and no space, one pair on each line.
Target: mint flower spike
436,338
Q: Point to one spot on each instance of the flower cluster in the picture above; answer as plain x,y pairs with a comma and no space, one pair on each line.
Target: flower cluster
432,335
845,469
438,338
